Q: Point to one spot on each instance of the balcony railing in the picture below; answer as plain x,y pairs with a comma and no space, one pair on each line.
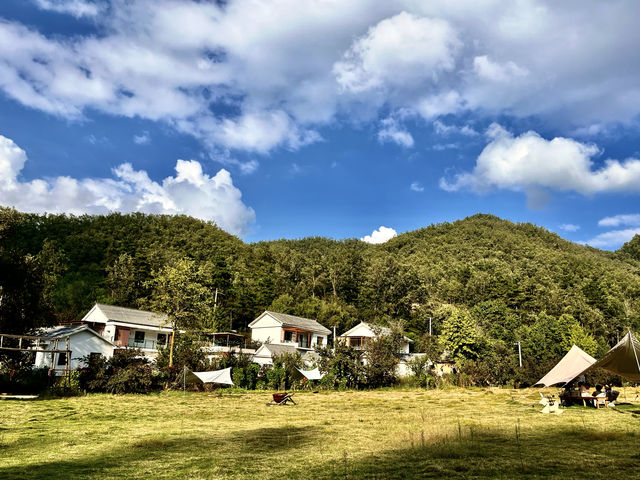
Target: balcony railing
144,344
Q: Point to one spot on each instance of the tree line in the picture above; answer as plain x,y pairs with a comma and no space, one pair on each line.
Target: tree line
482,283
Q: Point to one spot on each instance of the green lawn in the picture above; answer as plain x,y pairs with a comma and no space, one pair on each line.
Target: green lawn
378,434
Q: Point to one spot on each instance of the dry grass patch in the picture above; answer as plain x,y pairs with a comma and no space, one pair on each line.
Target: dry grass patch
480,433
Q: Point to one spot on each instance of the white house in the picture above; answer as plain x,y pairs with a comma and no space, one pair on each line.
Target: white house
275,330
359,335
127,327
83,341
362,333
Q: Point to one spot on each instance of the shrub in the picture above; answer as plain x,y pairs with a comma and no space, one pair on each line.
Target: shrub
126,372
419,367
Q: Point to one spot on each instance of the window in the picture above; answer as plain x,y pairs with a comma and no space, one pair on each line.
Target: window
94,357
303,340
162,339
139,337
319,341
355,341
289,335
62,359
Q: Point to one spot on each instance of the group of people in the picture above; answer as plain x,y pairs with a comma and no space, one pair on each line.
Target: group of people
600,392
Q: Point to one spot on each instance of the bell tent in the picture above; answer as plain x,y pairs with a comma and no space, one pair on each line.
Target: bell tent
572,364
623,359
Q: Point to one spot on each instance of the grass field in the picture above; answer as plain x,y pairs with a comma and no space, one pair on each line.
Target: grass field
479,433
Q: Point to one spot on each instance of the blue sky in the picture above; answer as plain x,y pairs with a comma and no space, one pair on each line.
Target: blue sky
297,118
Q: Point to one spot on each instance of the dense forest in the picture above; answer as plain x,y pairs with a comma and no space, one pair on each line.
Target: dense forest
484,282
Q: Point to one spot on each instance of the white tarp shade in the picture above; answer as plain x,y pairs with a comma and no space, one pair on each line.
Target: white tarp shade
311,374
222,377
623,359
572,364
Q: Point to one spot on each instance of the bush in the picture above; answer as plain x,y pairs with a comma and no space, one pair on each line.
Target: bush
128,371
342,364
419,367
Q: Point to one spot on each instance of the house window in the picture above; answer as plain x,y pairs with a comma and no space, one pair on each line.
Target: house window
139,337
355,341
319,341
289,335
162,339
303,340
62,359
94,357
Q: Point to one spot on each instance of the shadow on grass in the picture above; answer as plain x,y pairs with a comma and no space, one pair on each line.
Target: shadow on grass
545,455
141,457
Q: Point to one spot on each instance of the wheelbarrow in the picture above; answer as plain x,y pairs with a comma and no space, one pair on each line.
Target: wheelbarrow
282,398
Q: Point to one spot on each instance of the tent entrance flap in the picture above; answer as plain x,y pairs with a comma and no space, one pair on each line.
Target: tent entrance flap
572,364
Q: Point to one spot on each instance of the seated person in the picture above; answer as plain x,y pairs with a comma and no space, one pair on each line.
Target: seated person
612,395
583,388
598,393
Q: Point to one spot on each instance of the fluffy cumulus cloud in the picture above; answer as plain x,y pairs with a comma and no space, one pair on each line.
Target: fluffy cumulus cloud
534,165
190,192
398,52
256,76
381,235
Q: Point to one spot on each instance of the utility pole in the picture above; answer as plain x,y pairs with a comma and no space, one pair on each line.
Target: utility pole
334,339
215,301
519,352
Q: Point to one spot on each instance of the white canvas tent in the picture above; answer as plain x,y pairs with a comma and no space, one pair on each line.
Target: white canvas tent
572,364
623,359
311,374
222,377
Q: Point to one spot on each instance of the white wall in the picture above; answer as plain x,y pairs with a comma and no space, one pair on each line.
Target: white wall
262,356
267,330
314,339
95,315
81,344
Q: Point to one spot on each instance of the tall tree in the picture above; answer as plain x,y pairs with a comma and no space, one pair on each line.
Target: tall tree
180,291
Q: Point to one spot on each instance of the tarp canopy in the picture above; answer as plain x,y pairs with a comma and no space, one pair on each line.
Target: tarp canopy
222,377
572,364
311,374
623,359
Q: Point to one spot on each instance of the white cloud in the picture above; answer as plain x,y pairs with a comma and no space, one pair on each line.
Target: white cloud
256,76
439,104
569,227
77,8
614,238
631,220
446,130
143,139
398,52
381,235
190,192
416,187
391,131
487,69
532,164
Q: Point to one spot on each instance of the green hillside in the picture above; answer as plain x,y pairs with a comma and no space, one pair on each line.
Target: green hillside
507,281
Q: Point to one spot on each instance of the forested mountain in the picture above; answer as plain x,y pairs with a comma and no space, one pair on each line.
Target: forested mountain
502,281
